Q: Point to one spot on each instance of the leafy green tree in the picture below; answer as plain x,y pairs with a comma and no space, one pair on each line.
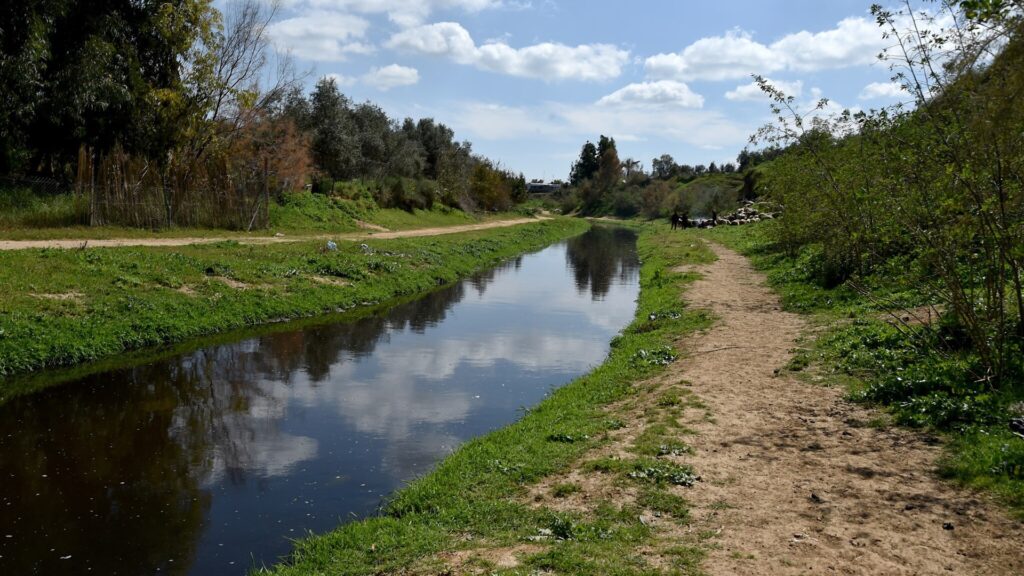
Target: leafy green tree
663,167
586,166
101,73
335,146
373,130
609,170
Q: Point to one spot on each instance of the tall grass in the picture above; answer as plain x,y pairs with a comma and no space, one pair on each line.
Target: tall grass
22,208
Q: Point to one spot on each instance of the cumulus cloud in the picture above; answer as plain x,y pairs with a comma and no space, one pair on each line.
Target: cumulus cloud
448,39
392,76
752,92
341,80
662,92
548,61
328,36
852,42
888,90
734,55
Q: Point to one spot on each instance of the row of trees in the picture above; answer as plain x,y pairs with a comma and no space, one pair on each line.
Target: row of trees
170,112
938,188
602,183
349,141
664,167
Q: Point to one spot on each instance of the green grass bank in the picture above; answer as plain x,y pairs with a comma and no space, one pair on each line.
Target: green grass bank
475,497
24,216
892,348
66,307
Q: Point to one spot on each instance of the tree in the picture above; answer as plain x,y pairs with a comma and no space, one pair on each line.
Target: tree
631,168
609,171
663,167
373,131
335,146
100,73
587,165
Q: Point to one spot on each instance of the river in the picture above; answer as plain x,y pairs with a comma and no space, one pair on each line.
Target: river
211,461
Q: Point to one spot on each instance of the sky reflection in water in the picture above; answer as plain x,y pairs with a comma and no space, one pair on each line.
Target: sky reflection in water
208,462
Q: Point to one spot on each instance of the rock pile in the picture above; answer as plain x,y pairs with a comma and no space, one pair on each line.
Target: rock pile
746,214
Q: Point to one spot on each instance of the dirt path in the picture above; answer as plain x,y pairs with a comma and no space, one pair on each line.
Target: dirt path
794,478
118,242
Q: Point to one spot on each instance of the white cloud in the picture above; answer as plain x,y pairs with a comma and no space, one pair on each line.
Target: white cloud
852,42
326,36
391,76
662,92
548,61
734,55
753,92
441,39
341,80
888,90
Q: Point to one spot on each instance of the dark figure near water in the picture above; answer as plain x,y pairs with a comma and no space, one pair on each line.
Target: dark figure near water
675,219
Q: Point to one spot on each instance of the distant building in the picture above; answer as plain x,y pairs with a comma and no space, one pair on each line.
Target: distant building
541,187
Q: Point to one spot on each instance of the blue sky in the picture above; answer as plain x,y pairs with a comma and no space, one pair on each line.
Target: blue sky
529,81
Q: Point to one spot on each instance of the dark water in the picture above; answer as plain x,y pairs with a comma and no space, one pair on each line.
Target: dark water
210,461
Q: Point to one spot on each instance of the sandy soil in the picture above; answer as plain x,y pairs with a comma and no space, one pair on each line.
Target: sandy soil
795,479
117,242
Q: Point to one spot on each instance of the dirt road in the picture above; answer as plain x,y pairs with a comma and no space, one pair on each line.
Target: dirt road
118,242
795,479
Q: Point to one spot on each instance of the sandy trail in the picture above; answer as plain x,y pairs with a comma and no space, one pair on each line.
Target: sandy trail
119,242
792,475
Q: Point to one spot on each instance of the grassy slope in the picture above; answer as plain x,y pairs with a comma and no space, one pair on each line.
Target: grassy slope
63,307
860,350
30,218
474,497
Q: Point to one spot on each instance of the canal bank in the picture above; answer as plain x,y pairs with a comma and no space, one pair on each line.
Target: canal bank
480,498
64,307
211,460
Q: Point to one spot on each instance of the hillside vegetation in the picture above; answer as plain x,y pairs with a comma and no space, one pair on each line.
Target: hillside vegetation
910,222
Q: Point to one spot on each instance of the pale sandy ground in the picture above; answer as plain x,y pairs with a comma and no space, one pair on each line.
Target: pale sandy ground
117,242
813,489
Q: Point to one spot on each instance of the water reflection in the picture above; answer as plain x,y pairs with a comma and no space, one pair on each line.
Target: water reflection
602,256
199,463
